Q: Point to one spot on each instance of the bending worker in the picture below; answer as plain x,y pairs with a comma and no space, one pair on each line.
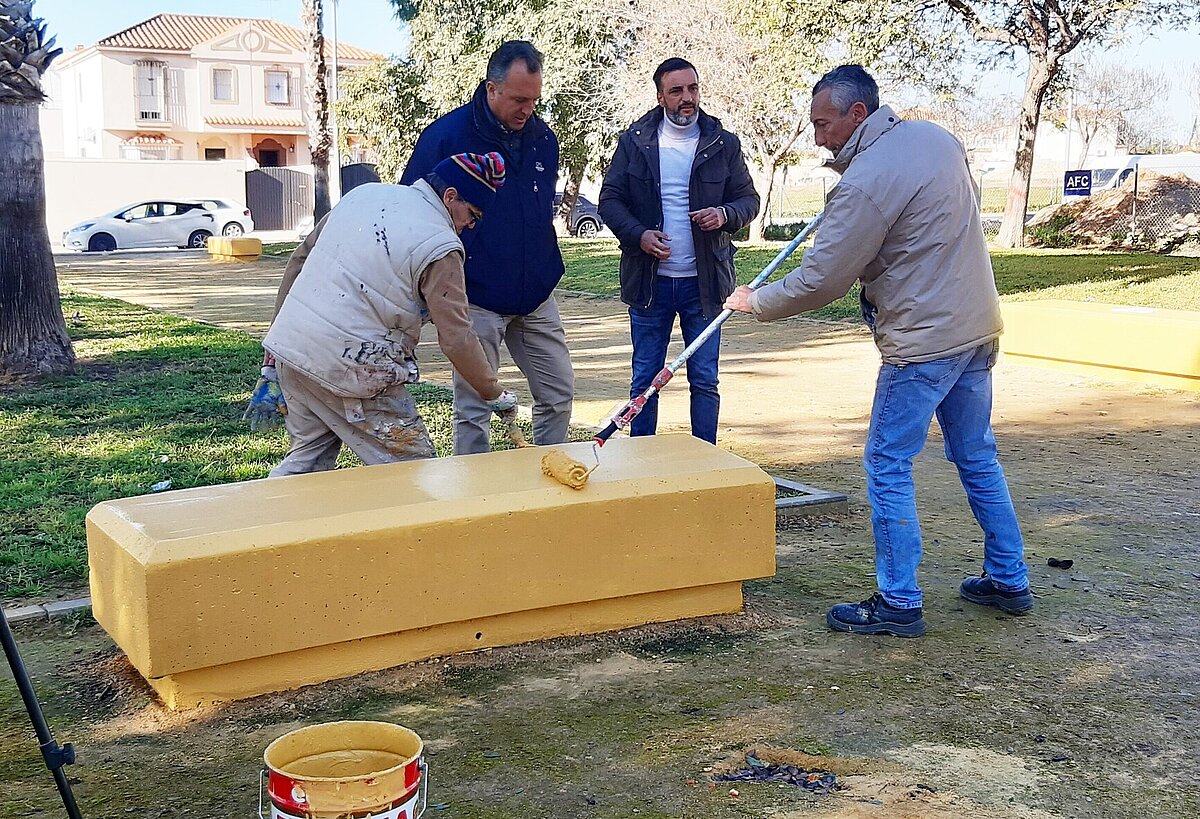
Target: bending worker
350,308
904,221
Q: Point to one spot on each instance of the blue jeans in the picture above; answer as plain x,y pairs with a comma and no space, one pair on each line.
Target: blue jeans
651,332
958,390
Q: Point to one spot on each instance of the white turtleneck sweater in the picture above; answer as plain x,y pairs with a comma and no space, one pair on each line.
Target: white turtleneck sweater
676,152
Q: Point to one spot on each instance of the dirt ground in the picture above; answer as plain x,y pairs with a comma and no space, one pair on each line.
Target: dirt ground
1085,708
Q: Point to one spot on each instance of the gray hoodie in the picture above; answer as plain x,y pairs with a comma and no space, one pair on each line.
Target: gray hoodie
904,220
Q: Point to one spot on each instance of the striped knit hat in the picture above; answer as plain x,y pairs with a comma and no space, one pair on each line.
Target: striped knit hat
475,176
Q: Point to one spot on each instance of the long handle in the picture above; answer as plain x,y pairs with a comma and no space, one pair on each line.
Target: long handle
627,413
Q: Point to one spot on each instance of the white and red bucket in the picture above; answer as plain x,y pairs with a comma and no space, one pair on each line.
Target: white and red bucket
343,769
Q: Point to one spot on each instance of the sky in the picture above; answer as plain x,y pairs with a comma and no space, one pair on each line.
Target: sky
370,24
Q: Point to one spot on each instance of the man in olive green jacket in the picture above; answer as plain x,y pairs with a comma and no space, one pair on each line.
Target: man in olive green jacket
904,221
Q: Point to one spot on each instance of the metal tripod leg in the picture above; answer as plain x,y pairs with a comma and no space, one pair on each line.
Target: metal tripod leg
56,756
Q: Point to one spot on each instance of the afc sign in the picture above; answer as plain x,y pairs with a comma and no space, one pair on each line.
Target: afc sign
1077,183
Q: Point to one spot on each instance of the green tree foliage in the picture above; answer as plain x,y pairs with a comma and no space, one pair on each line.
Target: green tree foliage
452,40
1045,32
384,107
758,59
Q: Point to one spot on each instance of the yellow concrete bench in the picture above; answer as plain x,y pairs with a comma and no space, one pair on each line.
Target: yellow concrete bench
228,249
224,592
1144,344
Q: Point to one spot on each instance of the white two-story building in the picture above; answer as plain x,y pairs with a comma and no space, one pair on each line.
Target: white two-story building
186,87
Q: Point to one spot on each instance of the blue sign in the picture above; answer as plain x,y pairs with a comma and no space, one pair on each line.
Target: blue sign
1077,183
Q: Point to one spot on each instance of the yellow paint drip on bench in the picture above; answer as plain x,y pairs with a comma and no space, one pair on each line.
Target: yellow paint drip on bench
1148,345
225,592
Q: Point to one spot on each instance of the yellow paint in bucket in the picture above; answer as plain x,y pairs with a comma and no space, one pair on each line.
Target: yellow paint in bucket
341,769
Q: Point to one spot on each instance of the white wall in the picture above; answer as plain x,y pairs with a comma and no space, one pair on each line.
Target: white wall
77,189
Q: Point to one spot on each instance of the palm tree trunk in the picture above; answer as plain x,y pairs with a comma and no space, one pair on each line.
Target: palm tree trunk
316,96
33,334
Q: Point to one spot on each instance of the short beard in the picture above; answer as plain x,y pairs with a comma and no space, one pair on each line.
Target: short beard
681,120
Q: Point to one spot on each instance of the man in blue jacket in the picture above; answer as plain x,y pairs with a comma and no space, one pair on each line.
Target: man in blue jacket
513,262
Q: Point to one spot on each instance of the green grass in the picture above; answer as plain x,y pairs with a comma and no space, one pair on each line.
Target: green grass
1118,278
1141,279
154,398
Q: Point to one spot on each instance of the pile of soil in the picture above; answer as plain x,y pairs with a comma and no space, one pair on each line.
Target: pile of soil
1168,215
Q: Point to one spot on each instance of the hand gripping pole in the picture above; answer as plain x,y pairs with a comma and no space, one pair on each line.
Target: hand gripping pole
622,418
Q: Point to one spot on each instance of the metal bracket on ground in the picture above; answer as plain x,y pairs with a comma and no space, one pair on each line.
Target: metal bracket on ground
794,499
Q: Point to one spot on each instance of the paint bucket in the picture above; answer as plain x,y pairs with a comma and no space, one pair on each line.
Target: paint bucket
342,769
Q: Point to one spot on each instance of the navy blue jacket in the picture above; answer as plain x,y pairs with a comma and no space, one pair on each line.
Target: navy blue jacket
513,261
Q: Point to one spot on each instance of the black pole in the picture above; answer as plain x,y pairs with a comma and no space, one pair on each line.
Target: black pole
56,756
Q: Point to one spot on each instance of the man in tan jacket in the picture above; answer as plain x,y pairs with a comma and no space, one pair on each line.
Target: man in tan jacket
350,309
904,222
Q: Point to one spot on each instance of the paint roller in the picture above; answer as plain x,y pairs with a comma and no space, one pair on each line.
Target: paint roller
570,472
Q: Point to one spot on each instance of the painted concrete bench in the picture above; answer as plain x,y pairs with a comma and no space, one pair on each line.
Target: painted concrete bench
224,592
1144,344
228,249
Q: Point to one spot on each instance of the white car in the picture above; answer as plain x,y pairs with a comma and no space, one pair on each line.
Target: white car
159,223
233,219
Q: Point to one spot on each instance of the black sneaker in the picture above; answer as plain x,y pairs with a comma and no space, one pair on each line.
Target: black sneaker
981,590
875,616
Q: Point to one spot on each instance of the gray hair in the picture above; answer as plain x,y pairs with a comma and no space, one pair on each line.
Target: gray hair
848,84
503,57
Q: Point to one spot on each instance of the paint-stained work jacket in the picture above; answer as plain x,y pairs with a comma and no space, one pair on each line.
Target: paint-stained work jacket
352,318
631,204
512,262
905,221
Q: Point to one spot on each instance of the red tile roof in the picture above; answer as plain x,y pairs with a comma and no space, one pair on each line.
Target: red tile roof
255,122
150,139
183,32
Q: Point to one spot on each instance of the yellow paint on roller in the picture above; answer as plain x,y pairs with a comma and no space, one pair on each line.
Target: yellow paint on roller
1143,344
565,469
224,592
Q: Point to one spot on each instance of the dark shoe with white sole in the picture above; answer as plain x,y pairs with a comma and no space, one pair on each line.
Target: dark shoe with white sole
875,616
981,590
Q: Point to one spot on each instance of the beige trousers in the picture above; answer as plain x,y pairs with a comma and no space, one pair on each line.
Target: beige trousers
538,346
382,429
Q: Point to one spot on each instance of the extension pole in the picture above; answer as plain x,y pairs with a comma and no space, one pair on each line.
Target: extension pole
627,413
56,756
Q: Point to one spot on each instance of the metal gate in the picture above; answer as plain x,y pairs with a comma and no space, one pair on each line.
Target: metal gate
279,198
357,174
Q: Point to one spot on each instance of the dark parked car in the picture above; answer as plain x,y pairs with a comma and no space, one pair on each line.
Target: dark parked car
585,219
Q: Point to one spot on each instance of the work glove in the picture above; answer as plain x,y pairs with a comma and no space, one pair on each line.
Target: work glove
507,400
267,407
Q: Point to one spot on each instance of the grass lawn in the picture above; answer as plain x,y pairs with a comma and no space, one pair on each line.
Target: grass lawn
155,398
1142,279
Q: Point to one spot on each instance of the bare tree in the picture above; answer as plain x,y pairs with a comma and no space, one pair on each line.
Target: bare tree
1191,85
975,119
1046,31
33,335
1107,97
756,59
316,96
